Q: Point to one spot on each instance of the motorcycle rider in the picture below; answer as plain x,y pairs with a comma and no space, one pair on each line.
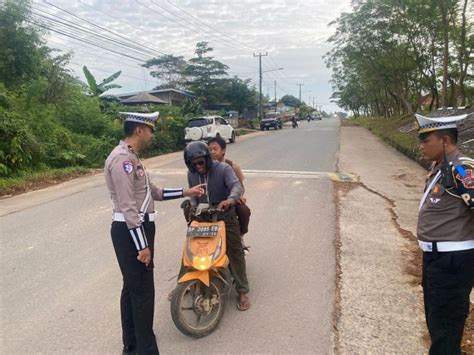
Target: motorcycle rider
223,190
217,148
294,121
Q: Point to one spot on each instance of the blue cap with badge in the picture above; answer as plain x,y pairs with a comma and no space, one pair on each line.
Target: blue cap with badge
148,119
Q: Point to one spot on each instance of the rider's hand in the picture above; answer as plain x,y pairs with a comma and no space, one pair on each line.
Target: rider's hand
243,200
224,205
195,191
144,256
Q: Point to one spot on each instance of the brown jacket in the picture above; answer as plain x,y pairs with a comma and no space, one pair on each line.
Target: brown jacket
447,214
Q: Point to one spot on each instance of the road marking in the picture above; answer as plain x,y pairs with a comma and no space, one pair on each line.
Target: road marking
317,175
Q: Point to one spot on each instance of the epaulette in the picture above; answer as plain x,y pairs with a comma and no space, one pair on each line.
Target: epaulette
466,161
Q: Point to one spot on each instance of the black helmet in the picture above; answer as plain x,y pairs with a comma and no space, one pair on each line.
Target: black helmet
195,150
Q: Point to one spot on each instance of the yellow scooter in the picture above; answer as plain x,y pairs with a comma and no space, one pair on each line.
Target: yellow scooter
198,301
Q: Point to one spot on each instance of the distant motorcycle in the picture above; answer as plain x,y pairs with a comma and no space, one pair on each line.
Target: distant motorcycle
294,123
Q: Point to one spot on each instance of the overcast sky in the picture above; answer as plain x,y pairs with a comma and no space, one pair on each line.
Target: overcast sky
294,34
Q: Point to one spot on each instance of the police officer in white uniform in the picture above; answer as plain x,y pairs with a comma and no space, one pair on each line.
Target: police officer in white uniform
133,229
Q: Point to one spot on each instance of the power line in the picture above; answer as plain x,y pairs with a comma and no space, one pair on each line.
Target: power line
124,22
81,39
181,24
103,28
137,66
211,27
202,29
111,71
89,32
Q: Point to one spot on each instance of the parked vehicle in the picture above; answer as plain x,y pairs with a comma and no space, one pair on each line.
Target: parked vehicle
198,301
207,127
271,120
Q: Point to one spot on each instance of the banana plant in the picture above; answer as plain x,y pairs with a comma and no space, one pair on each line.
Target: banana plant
98,89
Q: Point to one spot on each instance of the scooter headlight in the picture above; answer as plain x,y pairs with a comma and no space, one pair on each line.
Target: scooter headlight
202,262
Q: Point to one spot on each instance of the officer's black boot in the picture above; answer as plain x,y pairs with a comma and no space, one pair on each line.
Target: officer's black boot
129,350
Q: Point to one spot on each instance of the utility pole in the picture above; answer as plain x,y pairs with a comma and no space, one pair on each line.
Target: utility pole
260,108
300,85
275,84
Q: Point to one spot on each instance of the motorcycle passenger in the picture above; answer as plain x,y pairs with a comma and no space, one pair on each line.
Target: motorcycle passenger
217,148
223,190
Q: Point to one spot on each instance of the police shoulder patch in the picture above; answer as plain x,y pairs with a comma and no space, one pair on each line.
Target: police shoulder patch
128,167
468,180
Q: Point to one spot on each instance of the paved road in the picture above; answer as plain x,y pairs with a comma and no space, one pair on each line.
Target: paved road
60,282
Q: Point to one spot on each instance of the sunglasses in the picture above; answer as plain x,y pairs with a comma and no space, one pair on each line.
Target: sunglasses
199,162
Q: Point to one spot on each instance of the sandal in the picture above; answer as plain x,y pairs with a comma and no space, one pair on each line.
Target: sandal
243,305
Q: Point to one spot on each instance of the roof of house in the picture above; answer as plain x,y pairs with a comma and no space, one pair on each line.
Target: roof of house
151,92
143,98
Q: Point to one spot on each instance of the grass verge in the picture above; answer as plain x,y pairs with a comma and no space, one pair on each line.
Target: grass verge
28,181
243,131
400,133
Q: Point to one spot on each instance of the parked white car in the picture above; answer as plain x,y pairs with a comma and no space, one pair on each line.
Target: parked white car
207,127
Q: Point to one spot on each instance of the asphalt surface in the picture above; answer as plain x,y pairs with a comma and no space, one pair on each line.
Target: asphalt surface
60,282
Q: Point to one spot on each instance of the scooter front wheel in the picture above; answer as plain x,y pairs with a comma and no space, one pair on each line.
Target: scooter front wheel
196,309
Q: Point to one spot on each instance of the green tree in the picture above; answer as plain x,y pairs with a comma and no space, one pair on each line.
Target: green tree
98,89
290,100
386,55
191,107
21,50
204,74
239,94
169,69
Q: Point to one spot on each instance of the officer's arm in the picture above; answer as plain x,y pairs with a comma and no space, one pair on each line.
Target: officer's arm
165,193
121,172
464,178
232,182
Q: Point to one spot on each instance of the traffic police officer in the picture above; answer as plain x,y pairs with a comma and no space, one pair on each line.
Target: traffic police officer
446,233
133,229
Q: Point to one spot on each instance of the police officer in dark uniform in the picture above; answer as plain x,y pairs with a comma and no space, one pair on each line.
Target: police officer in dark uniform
446,233
133,230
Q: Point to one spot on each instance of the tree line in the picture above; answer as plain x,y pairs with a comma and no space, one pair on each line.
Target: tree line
390,57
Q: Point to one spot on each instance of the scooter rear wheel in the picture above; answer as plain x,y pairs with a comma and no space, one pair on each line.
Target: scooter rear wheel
196,309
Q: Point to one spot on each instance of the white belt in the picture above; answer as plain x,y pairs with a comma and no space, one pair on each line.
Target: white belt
447,246
119,217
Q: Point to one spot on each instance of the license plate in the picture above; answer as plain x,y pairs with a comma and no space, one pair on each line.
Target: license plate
202,231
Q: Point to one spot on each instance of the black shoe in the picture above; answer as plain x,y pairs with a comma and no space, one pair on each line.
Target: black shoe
129,350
